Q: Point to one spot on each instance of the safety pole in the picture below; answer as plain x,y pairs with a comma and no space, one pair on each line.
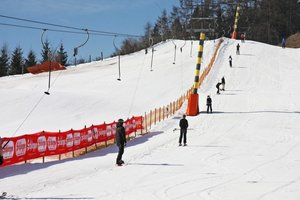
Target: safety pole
193,107
235,22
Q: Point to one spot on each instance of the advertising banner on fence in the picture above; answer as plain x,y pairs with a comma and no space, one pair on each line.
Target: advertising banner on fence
31,146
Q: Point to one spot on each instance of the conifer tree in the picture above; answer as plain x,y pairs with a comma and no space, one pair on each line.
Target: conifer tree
17,62
30,60
62,56
4,60
46,52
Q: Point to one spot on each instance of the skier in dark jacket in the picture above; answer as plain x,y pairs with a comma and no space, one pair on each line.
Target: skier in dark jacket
238,49
218,87
223,83
120,140
1,153
283,43
209,103
230,61
183,129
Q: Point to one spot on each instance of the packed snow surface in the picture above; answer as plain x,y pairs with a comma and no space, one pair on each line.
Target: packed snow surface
248,148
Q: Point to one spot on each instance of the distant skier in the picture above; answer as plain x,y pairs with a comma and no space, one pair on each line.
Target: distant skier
1,152
218,87
121,141
283,43
209,104
243,35
183,124
238,49
223,83
230,61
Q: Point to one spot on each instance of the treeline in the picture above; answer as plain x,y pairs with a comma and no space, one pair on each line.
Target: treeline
16,63
265,21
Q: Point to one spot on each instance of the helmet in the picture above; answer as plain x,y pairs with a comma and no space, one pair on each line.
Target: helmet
120,120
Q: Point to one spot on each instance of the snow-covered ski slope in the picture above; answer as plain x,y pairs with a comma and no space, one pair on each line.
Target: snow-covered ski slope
91,94
247,149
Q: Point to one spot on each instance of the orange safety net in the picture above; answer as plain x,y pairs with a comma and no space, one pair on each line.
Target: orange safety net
45,67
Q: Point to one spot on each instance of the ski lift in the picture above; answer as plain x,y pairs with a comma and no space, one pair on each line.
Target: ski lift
119,59
48,55
174,50
152,50
182,45
76,48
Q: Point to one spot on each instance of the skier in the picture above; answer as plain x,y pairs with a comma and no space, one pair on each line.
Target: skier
243,37
223,83
230,61
218,87
283,43
183,124
1,153
121,141
208,103
238,49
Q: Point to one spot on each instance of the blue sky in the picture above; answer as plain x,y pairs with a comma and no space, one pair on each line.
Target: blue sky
124,16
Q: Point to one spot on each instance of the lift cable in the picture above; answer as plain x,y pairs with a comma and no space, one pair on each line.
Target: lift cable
70,27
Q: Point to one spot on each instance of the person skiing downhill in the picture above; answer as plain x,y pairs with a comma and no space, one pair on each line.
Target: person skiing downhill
218,87
120,141
283,43
238,49
230,61
209,103
183,124
223,83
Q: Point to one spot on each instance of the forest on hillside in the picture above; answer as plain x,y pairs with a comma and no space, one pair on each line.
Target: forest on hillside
265,21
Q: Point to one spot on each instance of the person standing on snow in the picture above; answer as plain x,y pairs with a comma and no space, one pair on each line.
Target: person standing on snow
183,124
283,43
238,49
218,87
223,83
1,152
230,61
121,141
209,103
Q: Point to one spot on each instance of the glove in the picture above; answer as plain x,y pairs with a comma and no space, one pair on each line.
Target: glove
125,144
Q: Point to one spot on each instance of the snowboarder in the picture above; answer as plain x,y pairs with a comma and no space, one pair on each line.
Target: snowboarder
238,49
223,83
230,61
183,124
218,87
1,153
121,141
283,43
208,103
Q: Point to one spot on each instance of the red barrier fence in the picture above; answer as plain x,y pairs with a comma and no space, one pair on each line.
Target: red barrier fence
32,146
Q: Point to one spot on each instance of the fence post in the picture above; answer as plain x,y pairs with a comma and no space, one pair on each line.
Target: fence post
146,122
85,147
155,116
150,118
59,155
134,129
159,111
